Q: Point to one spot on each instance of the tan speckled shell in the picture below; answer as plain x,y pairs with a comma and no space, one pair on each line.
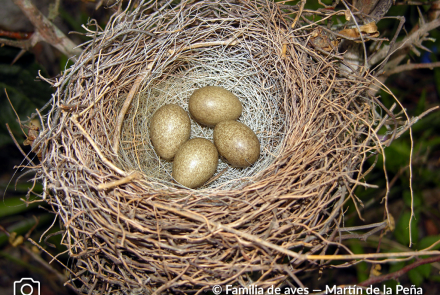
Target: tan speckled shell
195,162
237,143
210,105
170,127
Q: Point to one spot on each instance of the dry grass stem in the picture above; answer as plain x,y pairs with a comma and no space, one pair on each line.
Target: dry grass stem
131,228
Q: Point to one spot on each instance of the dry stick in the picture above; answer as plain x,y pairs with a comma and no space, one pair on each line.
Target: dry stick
365,236
361,227
47,30
44,263
170,283
230,41
226,228
44,250
397,246
409,67
95,147
215,177
23,44
125,107
298,14
103,186
369,256
94,102
15,112
395,275
18,146
282,250
410,123
360,35
407,42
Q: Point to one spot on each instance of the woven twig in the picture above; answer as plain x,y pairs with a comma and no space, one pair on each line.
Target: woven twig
115,197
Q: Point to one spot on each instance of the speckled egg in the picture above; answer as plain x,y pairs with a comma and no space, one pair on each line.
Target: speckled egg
210,105
237,143
195,162
170,127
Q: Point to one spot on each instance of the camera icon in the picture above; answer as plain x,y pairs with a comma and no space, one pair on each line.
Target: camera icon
26,286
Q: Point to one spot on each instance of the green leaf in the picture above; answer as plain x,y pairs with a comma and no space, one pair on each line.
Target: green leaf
12,206
25,225
361,268
417,197
25,91
424,270
428,241
436,75
397,155
65,63
415,276
395,266
421,104
402,229
21,262
391,284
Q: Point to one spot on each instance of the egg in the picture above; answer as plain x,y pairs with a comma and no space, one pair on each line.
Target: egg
195,162
210,105
237,143
170,127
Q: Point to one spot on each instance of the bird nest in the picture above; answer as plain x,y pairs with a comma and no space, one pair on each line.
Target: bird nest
133,230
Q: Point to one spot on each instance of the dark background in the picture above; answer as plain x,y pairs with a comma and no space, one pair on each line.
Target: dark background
418,90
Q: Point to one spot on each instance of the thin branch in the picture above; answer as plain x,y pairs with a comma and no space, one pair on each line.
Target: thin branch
298,14
229,42
395,275
404,2
360,35
23,44
47,30
366,235
44,263
407,42
409,67
218,226
18,145
124,180
95,147
127,103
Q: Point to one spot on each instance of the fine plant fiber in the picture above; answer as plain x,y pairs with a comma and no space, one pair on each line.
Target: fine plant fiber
130,228
228,67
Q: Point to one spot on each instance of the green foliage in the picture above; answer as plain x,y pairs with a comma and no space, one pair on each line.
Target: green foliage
419,274
415,276
429,241
23,226
417,199
65,63
75,22
361,268
426,142
14,205
401,233
25,92
20,262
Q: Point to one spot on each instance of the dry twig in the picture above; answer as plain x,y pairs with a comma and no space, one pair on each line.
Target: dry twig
316,129
45,31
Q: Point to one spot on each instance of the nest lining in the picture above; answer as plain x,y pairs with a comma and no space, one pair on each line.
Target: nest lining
229,68
147,234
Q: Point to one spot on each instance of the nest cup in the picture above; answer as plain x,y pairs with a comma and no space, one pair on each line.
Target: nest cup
228,66
130,228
